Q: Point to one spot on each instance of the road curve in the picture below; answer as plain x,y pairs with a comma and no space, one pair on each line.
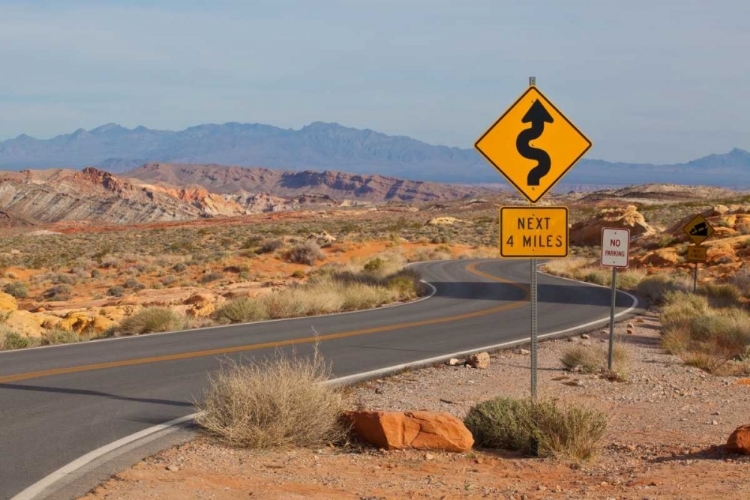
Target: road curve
59,403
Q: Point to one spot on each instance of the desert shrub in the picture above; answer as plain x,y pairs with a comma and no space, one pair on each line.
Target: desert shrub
299,273
655,287
567,268
110,262
169,279
66,279
630,279
10,339
598,277
16,289
251,242
212,276
179,267
134,284
590,359
274,403
59,336
116,291
149,320
307,253
95,273
268,246
284,304
241,310
57,292
742,281
721,295
701,335
516,424
374,265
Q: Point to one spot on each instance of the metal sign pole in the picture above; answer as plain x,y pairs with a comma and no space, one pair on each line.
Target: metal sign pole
533,327
612,319
534,304
695,278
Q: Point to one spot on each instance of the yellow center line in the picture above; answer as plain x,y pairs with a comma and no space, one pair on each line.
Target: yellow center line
279,343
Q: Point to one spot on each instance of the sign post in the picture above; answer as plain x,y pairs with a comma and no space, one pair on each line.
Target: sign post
533,145
698,230
615,250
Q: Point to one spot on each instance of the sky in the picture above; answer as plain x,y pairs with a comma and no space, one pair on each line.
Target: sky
658,81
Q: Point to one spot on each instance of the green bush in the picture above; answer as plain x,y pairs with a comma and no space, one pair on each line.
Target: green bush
516,424
54,337
17,290
150,320
241,310
10,339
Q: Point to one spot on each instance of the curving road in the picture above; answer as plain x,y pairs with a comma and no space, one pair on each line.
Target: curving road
59,403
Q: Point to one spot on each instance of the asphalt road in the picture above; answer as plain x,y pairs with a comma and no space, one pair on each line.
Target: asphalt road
59,403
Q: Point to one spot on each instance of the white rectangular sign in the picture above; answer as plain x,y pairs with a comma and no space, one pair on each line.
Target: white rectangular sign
615,247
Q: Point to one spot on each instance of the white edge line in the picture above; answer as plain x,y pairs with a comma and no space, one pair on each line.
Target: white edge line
233,325
37,488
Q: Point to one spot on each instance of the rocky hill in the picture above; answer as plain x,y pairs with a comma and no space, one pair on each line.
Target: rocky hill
330,146
166,192
337,185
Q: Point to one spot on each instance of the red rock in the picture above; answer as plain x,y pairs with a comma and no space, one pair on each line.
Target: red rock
739,441
421,430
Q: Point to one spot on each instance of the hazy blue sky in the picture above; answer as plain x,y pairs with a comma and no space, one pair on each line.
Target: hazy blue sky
651,81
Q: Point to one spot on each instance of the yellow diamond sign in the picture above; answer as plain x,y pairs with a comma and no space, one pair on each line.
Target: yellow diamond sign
698,229
533,145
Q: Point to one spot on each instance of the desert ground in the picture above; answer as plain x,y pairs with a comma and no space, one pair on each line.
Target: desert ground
670,409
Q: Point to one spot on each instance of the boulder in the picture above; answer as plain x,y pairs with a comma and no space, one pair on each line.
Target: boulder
322,238
480,360
443,221
739,441
421,430
589,232
663,257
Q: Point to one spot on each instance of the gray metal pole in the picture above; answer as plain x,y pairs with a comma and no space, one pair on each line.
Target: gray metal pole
534,345
612,320
695,278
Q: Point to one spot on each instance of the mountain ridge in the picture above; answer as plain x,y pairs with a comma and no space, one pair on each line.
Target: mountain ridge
329,146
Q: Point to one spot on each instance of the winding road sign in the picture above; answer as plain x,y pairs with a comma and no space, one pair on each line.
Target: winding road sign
533,145
698,229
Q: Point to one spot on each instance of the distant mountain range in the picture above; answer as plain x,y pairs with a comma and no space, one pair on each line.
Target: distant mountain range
329,146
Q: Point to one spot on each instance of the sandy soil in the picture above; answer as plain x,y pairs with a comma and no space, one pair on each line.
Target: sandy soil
667,423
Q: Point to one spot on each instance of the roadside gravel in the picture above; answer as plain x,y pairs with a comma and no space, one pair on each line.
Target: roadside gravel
667,423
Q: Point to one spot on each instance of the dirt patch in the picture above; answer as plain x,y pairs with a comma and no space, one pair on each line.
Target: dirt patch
667,423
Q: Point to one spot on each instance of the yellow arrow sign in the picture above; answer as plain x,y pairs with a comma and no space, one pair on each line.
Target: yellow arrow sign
698,229
697,254
533,232
533,145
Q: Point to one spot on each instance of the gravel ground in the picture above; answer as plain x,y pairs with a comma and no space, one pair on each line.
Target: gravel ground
667,423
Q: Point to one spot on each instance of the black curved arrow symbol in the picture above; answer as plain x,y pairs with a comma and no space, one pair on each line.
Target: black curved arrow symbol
537,116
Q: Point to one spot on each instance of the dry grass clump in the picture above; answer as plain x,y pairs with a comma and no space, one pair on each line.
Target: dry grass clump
241,310
590,359
150,320
274,403
11,339
307,253
703,336
587,269
657,286
524,424
59,336
332,289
